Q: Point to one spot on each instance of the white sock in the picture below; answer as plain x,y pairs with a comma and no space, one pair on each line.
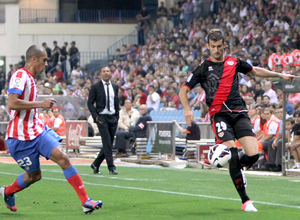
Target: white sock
298,165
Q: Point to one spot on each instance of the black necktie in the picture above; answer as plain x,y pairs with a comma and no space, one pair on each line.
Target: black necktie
108,102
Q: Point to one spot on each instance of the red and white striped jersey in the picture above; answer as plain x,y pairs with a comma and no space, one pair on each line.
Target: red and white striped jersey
200,97
24,124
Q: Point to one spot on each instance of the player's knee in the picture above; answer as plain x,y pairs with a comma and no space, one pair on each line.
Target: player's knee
64,161
38,177
34,177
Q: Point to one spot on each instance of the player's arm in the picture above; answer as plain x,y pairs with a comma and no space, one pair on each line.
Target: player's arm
14,103
185,104
193,79
257,71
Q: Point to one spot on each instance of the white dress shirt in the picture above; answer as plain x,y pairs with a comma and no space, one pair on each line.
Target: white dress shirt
111,99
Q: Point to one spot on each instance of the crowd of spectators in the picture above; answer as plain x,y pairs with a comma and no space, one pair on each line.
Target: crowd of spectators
264,33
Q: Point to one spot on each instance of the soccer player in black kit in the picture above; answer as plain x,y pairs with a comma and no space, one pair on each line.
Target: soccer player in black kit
218,76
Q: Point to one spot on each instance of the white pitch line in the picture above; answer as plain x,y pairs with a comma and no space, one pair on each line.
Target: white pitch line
108,177
167,192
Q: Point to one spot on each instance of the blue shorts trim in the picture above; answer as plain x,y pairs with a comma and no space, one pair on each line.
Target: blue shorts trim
26,153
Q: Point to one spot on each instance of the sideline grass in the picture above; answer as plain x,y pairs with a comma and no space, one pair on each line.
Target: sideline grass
152,193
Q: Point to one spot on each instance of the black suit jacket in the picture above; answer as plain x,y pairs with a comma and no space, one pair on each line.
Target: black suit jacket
97,95
140,127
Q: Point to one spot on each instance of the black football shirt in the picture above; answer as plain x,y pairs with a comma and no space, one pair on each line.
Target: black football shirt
220,83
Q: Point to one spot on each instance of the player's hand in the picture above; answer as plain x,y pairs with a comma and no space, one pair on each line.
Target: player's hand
48,103
188,115
288,77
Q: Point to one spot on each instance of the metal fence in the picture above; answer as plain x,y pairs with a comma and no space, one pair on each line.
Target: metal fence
77,16
2,15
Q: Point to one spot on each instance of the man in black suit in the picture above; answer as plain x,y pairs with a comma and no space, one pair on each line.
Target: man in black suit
137,131
106,114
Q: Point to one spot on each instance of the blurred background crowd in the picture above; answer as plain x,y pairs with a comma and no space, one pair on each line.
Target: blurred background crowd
264,33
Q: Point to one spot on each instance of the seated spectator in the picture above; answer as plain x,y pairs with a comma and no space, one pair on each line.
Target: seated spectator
258,91
254,119
275,147
199,99
128,116
59,125
172,100
140,98
294,99
270,92
58,75
121,96
76,73
293,144
266,101
271,130
153,99
192,132
137,131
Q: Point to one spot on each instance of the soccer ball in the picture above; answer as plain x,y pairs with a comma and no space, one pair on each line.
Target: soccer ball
219,155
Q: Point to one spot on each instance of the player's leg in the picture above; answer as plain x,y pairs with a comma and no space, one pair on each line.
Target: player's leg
245,134
25,153
250,146
225,135
50,148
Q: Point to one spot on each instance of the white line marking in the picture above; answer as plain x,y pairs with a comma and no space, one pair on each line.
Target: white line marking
167,192
108,177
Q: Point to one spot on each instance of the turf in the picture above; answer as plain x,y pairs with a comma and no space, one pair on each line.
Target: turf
152,193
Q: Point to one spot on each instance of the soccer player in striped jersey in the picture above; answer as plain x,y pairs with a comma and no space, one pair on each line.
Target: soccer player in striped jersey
27,138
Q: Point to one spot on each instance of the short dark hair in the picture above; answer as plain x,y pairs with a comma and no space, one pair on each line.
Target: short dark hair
297,112
215,35
290,119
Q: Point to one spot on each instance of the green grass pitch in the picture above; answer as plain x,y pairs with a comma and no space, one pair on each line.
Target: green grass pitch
152,193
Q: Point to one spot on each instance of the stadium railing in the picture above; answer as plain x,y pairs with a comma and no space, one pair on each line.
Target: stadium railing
131,39
77,16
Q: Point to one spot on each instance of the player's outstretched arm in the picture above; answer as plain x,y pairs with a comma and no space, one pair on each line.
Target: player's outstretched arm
14,103
267,73
185,104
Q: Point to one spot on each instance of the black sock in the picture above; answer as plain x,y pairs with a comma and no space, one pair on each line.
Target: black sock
236,175
248,161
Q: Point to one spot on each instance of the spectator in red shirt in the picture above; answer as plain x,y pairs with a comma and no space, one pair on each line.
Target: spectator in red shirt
140,98
58,74
173,101
274,39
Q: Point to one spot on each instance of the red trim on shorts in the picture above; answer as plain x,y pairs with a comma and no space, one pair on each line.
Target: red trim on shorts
218,141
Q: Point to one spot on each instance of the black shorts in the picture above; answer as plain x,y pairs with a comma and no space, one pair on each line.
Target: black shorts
230,126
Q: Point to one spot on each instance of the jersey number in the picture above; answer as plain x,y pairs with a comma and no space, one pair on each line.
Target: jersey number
24,162
221,126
